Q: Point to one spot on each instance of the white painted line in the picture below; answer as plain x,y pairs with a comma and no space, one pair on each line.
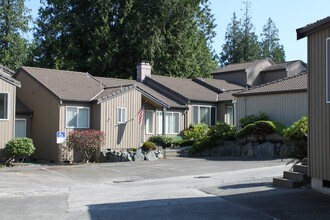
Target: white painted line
54,172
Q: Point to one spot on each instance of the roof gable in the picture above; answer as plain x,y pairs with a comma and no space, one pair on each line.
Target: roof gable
313,27
218,85
66,85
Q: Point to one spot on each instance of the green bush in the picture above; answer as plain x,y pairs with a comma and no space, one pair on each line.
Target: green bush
251,119
196,132
161,140
259,129
199,146
296,134
148,146
222,131
184,143
18,147
87,142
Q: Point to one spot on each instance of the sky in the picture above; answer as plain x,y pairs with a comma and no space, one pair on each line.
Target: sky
288,15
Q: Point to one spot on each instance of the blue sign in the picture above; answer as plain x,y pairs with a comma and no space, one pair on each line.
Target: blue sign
60,137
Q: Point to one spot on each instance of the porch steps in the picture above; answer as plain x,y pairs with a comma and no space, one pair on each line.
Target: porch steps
295,178
170,153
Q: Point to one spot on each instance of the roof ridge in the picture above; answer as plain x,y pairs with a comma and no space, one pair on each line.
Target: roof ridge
57,70
275,81
257,62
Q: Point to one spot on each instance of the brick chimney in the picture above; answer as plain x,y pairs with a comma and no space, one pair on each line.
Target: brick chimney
143,70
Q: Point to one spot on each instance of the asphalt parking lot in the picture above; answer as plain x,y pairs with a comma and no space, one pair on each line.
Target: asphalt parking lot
182,188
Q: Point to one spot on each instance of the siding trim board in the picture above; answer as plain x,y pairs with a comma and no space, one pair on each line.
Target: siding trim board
269,93
327,69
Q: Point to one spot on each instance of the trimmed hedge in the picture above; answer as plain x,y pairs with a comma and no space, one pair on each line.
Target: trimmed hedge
162,140
18,147
196,132
222,131
251,119
260,129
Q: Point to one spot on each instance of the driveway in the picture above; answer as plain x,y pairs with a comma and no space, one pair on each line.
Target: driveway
181,188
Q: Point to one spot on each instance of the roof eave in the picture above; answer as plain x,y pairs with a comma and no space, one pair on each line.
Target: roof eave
269,93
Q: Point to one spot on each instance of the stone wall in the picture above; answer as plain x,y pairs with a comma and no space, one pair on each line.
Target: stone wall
252,149
130,155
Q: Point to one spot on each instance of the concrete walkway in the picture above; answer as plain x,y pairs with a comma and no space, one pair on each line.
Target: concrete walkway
167,189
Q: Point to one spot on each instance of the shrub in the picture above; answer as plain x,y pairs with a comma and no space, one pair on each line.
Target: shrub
199,146
87,142
18,147
296,134
196,132
251,119
149,146
259,129
184,143
222,131
161,140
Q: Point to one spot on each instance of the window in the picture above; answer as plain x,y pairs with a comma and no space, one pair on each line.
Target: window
172,122
3,106
121,115
149,122
159,118
229,117
77,117
20,127
204,114
327,70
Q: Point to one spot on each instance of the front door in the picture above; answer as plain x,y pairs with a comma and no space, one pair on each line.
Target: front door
20,127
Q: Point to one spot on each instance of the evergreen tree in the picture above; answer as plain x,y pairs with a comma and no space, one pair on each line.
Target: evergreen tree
231,49
108,37
249,46
14,21
270,42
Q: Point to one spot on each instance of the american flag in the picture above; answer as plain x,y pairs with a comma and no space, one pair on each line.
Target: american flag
140,115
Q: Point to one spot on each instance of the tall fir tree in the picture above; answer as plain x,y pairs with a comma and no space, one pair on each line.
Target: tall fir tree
231,48
14,22
249,46
108,37
270,42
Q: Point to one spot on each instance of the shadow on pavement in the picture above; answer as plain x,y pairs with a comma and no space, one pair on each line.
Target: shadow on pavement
284,203
187,208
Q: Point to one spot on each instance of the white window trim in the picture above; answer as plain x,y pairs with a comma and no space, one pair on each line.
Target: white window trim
207,106
152,125
8,98
21,119
157,124
119,119
178,122
78,107
327,66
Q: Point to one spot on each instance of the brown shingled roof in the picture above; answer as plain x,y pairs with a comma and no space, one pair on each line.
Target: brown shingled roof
186,88
110,82
240,66
296,83
218,85
67,85
310,28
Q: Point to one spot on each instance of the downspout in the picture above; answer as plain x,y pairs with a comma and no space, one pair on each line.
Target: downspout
235,111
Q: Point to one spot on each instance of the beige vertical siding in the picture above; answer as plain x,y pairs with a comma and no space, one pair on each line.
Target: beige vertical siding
45,120
122,136
319,110
285,108
7,125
